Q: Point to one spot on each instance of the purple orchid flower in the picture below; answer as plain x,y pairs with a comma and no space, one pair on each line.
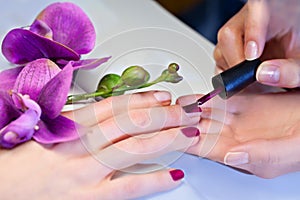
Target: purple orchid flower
33,94
32,107
62,31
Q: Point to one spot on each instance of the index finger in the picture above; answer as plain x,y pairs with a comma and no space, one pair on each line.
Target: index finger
107,108
230,39
256,26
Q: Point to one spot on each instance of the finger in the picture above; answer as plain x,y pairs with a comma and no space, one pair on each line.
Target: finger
215,109
134,186
220,60
100,111
136,122
140,148
266,158
256,27
214,142
230,39
188,99
280,72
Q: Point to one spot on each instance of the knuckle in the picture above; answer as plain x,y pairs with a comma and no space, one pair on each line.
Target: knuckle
226,33
175,114
267,158
152,145
293,81
138,98
140,118
266,164
217,54
290,73
271,159
175,111
137,146
149,145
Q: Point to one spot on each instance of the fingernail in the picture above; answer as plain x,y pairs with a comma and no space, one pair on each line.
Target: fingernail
268,74
176,174
251,51
162,96
236,158
192,108
190,132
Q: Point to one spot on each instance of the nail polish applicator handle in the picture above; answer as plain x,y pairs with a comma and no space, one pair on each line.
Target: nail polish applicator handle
233,80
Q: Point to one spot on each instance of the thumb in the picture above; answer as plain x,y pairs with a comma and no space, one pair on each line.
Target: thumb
280,73
266,158
256,27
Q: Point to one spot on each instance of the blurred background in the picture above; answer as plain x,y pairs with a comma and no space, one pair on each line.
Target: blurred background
204,16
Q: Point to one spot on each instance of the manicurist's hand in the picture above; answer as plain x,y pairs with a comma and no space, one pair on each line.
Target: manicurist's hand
119,132
266,29
256,133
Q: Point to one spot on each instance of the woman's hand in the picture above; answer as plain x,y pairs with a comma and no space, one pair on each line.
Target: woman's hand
120,132
266,29
256,133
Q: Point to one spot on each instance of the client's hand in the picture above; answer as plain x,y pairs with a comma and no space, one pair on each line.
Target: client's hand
257,133
121,131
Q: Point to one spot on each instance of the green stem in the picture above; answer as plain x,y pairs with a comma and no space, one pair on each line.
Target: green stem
79,97
158,80
120,90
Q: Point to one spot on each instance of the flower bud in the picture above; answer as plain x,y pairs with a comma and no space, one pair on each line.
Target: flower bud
173,68
108,82
171,77
135,76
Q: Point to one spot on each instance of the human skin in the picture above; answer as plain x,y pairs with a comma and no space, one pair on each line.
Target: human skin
269,30
259,133
73,170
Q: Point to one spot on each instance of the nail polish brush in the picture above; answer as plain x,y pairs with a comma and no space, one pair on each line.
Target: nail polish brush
229,82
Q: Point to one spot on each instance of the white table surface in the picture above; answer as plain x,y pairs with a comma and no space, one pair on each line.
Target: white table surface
204,179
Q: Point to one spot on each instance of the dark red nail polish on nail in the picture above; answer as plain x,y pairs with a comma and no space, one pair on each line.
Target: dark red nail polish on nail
177,174
190,131
192,108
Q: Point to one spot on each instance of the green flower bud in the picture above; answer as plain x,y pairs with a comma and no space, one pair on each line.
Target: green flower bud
108,82
135,76
171,77
174,78
173,68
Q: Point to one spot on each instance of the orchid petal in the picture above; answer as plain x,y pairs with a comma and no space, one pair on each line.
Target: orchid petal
8,111
86,64
8,78
89,63
34,76
70,26
60,129
20,130
41,28
21,46
54,95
